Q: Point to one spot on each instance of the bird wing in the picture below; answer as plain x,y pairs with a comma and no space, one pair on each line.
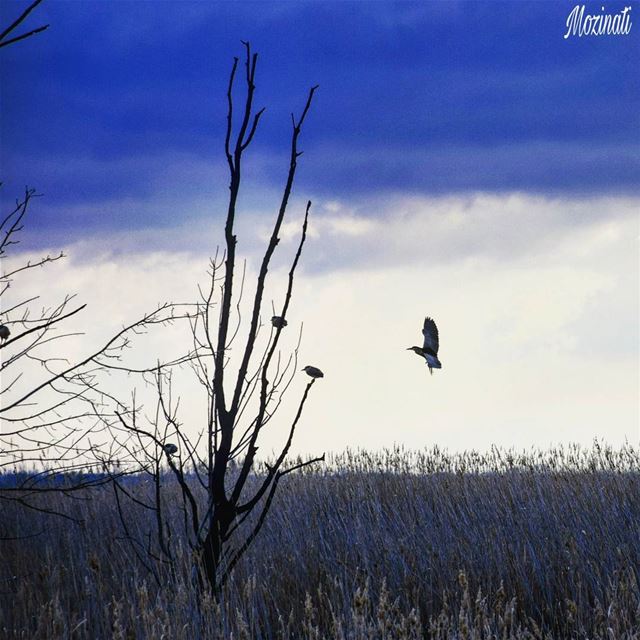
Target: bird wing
430,333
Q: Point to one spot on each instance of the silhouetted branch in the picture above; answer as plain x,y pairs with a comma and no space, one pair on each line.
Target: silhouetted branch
17,23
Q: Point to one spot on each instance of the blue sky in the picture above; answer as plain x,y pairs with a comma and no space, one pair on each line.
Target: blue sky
427,97
464,160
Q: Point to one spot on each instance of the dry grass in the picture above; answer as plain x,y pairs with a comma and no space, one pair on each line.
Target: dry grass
389,545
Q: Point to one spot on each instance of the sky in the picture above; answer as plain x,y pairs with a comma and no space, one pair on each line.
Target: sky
465,161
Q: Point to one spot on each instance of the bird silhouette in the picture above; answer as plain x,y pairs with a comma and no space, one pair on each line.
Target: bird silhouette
170,448
429,350
4,332
278,322
314,372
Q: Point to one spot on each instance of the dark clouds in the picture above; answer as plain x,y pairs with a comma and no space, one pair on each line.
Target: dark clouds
427,97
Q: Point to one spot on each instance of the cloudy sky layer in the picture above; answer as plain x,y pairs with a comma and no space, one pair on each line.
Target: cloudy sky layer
464,161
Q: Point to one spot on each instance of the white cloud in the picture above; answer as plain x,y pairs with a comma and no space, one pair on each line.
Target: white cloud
536,300
410,229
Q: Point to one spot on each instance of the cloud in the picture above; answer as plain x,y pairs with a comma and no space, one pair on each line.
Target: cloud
184,202
536,166
490,100
536,301
404,229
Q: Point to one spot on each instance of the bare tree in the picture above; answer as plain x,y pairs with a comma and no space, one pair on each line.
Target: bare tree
68,423
40,436
48,433
51,438
225,493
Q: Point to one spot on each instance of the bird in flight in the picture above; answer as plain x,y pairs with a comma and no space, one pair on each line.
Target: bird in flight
429,350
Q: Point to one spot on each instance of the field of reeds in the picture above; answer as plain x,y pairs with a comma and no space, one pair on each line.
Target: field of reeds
386,545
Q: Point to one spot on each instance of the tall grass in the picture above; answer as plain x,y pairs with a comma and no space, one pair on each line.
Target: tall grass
395,544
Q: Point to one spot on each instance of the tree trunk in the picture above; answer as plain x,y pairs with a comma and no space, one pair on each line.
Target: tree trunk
222,518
